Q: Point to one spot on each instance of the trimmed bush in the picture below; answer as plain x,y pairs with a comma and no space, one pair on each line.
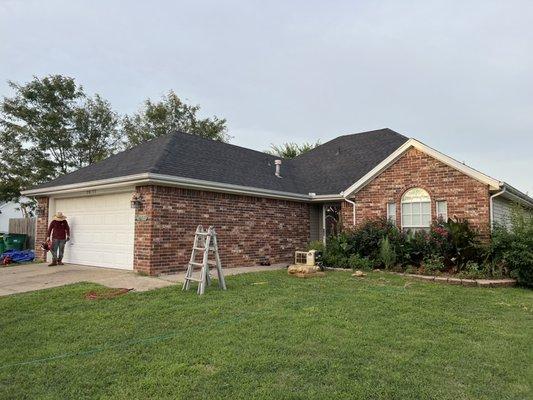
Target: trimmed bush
512,248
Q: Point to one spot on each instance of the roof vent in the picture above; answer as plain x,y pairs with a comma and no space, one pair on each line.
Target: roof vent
278,168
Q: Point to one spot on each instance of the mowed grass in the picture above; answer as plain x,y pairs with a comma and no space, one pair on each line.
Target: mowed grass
271,336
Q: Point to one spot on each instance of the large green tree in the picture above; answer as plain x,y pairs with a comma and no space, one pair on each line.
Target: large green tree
291,149
170,114
48,127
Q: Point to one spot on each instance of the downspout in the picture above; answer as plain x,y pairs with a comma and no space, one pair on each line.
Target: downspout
353,205
492,206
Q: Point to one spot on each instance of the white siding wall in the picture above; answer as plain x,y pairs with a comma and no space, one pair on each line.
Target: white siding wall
502,211
9,210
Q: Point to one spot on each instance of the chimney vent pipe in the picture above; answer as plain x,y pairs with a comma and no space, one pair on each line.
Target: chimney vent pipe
278,168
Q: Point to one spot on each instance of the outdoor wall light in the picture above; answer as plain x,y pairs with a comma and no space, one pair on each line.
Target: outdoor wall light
136,201
40,210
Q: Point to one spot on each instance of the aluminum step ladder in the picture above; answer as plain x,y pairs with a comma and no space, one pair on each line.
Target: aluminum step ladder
205,241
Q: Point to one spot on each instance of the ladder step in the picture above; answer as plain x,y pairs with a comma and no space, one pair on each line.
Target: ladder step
205,241
201,264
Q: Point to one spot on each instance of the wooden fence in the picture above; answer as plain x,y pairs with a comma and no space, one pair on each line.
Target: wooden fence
25,226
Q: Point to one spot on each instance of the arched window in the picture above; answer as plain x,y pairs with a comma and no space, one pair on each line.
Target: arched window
416,209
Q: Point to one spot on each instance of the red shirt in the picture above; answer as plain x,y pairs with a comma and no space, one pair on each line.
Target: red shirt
60,228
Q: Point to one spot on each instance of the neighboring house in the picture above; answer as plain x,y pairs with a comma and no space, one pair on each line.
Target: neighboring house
263,208
7,211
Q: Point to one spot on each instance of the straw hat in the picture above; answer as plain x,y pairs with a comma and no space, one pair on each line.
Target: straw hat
59,216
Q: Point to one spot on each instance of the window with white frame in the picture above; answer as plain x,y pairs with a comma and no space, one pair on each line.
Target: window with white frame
391,212
416,209
442,210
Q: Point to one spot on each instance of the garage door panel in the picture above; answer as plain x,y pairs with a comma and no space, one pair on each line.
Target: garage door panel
102,230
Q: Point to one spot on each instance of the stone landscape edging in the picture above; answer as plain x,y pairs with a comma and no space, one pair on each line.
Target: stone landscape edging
493,283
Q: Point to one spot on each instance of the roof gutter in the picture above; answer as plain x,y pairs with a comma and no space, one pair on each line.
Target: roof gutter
321,198
518,196
165,180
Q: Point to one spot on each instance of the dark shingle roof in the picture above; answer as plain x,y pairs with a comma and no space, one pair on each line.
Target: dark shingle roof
328,169
339,163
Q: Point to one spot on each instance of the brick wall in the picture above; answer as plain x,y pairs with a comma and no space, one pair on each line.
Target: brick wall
467,198
41,226
250,229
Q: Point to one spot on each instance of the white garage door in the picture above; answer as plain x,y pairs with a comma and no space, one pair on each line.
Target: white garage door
101,230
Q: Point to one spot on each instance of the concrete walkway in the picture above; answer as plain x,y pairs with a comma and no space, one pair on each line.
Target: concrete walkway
30,277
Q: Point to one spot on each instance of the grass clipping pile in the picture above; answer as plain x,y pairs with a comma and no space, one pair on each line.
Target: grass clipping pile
304,271
106,294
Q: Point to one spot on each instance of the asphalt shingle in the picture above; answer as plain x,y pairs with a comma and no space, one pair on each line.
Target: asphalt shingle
328,169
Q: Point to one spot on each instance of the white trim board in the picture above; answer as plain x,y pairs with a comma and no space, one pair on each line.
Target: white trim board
126,182
493,184
162,180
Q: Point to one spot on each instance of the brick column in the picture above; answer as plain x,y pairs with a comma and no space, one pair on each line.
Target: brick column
41,225
143,242
346,216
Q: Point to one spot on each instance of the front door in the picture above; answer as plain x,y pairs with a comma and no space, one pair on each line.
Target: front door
331,220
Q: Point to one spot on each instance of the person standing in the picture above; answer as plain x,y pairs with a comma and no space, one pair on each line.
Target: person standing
59,231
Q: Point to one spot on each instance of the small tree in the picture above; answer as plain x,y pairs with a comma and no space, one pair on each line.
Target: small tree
50,127
387,253
171,114
291,149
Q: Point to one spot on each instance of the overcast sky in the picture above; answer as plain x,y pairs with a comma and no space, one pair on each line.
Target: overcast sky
457,75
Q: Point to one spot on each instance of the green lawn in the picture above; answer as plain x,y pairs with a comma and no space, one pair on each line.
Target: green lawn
382,337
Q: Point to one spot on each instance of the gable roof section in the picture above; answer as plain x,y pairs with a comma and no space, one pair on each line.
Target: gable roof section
337,164
493,184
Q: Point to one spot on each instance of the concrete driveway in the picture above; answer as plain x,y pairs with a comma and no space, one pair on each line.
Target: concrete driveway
30,277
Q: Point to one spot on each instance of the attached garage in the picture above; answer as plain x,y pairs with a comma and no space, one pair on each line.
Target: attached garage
102,229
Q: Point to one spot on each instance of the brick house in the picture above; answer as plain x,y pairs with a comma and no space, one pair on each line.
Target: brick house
138,209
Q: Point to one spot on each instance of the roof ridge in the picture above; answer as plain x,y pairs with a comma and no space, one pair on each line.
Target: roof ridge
371,131
307,153
226,144
168,140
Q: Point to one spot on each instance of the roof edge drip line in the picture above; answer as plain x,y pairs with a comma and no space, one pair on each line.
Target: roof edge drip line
168,180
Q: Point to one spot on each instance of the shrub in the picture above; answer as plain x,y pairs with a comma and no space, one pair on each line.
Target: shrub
337,251
512,247
463,242
387,253
317,245
416,246
433,263
357,262
334,260
439,237
365,240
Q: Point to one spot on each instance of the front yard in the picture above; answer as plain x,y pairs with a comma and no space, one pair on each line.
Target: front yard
271,336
